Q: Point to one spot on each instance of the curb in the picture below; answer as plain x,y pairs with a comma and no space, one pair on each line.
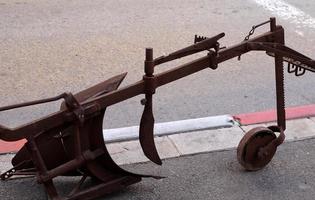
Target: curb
189,125
10,147
160,129
271,115
169,128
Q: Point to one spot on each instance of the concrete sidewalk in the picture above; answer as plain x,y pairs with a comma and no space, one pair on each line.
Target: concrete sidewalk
212,173
203,141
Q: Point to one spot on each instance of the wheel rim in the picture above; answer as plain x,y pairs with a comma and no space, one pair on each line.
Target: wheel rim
248,148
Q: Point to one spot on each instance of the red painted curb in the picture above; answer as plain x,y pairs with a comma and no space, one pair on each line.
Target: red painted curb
8,147
270,115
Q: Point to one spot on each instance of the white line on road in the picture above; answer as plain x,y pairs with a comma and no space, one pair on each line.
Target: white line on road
288,12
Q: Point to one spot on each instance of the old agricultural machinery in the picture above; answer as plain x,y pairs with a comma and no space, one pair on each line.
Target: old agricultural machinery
70,141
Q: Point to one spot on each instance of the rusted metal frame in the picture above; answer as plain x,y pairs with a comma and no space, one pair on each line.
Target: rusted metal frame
16,170
242,48
77,141
279,74
276,48
185,70
28,174
280,139
36,155
61,117
41,167
76,114
47,123
77,188
51,190
45,175
43,124
135,89
80,159
70,165
181,71
280,98
279,77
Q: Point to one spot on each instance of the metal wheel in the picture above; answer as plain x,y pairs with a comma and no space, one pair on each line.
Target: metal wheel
249,150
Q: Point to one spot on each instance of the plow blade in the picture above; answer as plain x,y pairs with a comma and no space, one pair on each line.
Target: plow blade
75,149
55,139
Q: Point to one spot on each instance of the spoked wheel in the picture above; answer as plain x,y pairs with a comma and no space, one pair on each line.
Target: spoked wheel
250,153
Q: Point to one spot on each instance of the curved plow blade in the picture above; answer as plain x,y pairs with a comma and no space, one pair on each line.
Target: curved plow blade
104,164
54,138
77,149
146,135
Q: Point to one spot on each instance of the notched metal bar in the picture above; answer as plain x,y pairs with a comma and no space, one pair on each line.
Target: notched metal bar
200,45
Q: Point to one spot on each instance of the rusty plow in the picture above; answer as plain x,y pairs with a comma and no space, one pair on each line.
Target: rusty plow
70,141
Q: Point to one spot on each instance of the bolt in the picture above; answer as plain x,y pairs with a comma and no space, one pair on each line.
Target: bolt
143,101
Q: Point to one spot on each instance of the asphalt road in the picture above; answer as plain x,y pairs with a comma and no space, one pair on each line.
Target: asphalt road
213,176
48,47
218,176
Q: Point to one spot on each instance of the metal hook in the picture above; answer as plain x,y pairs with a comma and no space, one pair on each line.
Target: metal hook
291,68
299,71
